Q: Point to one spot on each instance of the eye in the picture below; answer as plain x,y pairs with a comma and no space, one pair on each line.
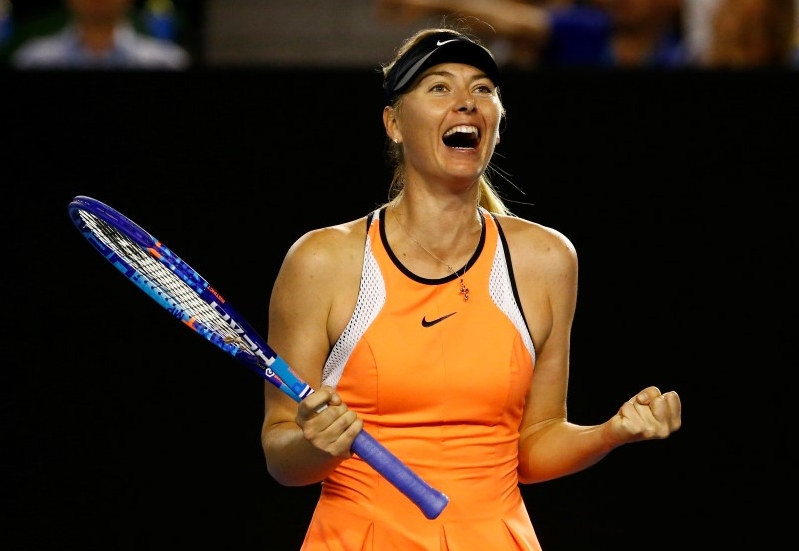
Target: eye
438,87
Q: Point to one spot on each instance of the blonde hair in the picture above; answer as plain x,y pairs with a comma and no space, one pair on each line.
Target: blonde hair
488,196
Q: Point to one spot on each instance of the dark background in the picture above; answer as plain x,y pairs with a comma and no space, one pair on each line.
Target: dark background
126,432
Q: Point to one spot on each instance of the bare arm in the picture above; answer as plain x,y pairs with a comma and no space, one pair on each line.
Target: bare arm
551,446
509,18
302,446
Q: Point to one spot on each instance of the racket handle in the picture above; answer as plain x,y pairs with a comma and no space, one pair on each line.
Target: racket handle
427,498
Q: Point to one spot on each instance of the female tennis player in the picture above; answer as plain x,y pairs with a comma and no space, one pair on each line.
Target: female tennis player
440,323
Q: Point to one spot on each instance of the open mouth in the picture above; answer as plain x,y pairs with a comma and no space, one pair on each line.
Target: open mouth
462,137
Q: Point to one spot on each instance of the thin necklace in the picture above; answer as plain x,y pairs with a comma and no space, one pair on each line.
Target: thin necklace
463,289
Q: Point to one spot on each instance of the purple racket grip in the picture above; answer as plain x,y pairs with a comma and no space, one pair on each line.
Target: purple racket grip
427,498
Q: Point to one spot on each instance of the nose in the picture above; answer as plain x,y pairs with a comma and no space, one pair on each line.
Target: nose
467,105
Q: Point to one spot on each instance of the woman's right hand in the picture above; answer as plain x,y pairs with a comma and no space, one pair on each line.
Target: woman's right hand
327,423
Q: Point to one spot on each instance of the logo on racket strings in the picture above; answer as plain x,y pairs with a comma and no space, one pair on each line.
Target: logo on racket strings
242,336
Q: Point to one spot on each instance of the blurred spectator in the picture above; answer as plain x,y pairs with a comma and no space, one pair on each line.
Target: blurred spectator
160,19
99,34
589,33
748,34
6,22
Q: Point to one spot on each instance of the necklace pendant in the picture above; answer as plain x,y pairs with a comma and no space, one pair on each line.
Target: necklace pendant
464,291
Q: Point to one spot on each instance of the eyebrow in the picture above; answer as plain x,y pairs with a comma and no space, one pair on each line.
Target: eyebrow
477,76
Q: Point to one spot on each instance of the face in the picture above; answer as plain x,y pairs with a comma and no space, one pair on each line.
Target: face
100,9
447,123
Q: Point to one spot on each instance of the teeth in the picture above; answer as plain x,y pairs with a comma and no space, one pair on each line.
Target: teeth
462,130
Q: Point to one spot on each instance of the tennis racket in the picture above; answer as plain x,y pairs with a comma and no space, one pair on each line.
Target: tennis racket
168,280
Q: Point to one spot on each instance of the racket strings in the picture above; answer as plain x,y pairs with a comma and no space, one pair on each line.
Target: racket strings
163,283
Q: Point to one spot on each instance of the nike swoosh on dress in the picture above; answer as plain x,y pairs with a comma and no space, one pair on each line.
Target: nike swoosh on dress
430,323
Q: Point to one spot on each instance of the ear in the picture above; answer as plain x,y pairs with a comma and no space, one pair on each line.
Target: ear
391,124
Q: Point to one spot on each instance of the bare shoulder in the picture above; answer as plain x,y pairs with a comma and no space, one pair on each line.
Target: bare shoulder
319,278
327,250
544,264
534,245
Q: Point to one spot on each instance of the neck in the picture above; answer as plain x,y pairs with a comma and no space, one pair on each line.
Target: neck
98,37
433,243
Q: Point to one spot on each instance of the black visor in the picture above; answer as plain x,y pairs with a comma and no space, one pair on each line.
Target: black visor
438,48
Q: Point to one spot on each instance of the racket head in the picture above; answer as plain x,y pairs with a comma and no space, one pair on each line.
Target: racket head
178,288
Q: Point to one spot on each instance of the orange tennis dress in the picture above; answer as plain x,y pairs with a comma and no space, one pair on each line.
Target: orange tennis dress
441,382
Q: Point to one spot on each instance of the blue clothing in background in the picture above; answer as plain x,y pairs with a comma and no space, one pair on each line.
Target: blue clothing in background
131,50
581,36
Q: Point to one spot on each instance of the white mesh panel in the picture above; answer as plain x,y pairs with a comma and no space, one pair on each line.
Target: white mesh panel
501,290
371,298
